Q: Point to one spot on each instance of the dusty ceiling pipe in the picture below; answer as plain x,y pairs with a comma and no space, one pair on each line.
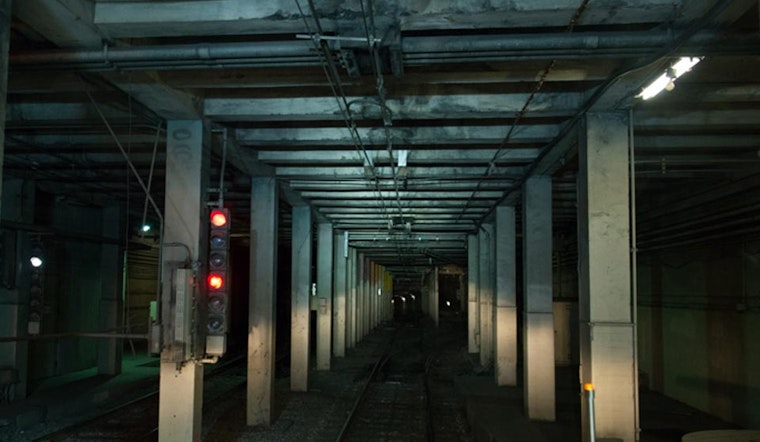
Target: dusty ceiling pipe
301,52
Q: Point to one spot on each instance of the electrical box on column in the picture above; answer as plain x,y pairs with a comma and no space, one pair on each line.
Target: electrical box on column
217,282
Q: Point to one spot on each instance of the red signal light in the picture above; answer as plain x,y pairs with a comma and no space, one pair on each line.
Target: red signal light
215,281
218,218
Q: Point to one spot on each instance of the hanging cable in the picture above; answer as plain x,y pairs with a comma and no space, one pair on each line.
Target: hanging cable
150,175
333,78
370,30
523,110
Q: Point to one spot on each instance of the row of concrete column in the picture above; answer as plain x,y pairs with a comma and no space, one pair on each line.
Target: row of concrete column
352,296
353,293
606,327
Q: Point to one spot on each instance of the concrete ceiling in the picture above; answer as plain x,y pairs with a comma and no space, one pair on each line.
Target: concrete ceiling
475,95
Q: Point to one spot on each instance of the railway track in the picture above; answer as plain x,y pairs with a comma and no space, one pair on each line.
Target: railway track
137,419
401,389
404,397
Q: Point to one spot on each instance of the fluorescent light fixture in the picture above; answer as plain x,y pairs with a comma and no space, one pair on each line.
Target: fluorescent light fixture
145,228
666,81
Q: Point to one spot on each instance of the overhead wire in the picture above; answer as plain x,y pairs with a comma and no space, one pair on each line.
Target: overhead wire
523,110
621,73
370,31
336,86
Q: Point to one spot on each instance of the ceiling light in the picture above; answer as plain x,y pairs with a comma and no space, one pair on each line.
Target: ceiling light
36,261
666,81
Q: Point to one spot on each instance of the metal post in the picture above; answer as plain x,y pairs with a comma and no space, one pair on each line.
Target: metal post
589,388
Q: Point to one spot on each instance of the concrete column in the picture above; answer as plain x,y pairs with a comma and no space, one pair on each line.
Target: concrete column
111,274
324,295
538,335
339,294
12,312
607,333
300,299
505,369
486,282
360,296
372,295
381,290
262,308
352,293
473,306
181,387
388,304
17,206
434,296
366,277
5,39
462,293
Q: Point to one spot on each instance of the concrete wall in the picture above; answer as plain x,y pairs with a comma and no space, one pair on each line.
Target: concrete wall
141,286
72,293
699,316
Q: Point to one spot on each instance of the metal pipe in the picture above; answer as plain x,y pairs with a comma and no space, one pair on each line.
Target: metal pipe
553,45
200,52
555,41
74,335
634,272
589,388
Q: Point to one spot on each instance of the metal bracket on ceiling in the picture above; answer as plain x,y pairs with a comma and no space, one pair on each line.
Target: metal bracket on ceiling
319,38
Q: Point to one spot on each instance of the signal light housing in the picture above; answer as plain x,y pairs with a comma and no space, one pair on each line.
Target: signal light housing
36,293
217,288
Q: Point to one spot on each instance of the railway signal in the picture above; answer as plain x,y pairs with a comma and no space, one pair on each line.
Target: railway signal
217,285
36,298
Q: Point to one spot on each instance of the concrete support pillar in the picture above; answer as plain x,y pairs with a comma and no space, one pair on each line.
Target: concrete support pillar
366,278
5,40
111,274
505,369
371,295
300,299
360,295
607,334
262,310
353,284
181,387
473,305
486,282
388,283
373,271
324,295
391,290
538,335
17,206
434,296
13,320
340,255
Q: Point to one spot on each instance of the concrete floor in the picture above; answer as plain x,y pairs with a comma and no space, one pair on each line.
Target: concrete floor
494,413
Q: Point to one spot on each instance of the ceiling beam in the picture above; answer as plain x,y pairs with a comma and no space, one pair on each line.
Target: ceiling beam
215,17
66,23
414,136
427,156
412,172
422,107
